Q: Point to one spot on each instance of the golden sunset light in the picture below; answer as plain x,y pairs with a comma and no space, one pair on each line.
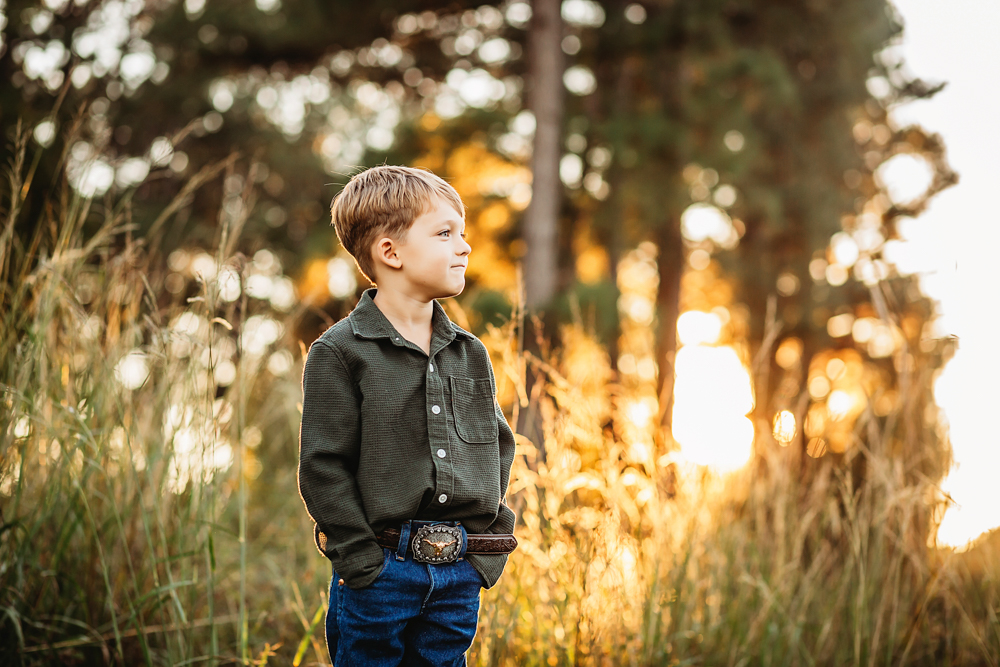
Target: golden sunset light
531,332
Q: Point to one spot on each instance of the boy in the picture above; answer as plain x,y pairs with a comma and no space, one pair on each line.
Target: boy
404,453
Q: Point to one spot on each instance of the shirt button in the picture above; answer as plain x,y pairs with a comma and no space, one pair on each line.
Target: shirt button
443,497
435,409
441,453
431,366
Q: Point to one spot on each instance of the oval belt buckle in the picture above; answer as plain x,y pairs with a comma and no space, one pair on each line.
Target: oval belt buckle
438,543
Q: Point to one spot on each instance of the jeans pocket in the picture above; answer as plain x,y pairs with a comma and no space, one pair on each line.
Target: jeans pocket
386,559
474,574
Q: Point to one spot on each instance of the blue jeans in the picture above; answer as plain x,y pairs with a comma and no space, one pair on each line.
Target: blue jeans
412,614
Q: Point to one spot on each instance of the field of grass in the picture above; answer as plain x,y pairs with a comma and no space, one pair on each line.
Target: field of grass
148,441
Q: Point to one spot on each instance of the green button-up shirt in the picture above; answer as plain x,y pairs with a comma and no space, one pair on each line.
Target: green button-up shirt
390,433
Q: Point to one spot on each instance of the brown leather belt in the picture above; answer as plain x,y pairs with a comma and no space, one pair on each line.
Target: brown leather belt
484,543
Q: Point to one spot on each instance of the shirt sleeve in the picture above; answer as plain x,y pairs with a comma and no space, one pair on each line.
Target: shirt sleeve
504,523
492,566
329,439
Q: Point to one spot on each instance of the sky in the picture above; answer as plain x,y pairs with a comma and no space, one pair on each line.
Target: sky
956,242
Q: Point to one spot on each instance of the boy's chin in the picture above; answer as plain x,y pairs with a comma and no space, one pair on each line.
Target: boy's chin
452,290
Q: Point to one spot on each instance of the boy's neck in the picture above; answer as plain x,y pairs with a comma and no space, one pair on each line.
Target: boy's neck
411,316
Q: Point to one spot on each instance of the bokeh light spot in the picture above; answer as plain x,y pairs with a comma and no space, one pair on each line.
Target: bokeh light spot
579,80
784,427
789,353
712,398
906,177
696,327
132,370
635,13
341,280
734,140
704,221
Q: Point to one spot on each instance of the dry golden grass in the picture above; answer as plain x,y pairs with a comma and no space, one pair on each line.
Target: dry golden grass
107,554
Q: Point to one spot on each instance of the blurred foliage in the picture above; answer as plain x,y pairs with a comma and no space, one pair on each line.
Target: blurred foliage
763,109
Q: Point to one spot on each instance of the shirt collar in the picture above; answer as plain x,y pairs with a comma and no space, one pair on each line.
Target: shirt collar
367,321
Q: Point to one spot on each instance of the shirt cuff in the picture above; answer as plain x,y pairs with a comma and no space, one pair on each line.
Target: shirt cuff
361,567
490,566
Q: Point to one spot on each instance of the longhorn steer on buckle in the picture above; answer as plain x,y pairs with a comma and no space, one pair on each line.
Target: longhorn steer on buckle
438,543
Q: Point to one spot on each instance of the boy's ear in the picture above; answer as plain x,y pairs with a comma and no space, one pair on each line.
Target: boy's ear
385,252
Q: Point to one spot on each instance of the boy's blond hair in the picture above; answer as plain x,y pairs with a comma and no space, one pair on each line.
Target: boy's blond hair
384,201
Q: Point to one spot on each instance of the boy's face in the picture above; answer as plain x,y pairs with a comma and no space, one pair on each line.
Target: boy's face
433,257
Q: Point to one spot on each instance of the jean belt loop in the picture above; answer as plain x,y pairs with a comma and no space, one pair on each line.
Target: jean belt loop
465,542
404,541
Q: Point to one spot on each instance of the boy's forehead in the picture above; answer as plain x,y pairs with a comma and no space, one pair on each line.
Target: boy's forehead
440,209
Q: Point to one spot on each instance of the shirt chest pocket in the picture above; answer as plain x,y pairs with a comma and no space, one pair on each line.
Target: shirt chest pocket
472,407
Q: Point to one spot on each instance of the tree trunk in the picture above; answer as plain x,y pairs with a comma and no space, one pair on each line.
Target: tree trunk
540,226
545,100
670,263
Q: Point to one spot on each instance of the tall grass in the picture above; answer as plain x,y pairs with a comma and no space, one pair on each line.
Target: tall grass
161,524
124,465
788,561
